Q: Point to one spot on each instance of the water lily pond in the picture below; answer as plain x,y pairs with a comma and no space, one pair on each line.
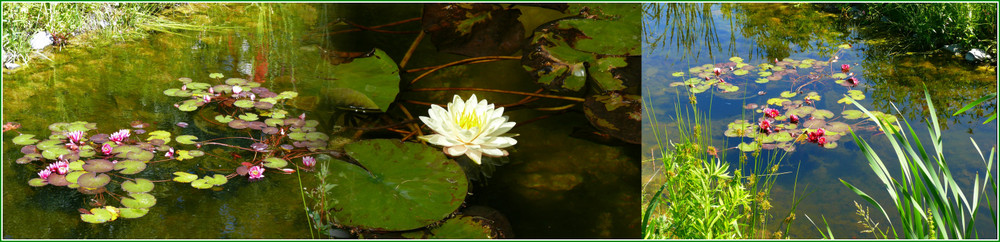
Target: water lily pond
302,121
789,72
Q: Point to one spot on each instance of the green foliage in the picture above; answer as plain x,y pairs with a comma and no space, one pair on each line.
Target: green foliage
930,26
928,200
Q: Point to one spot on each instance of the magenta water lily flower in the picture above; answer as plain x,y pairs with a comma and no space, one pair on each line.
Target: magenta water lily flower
308,161
845,68
106,148
59,167
256,173
764,126
853,81
793,119
817,136
44,174
717,71
120,136
771,113
75,136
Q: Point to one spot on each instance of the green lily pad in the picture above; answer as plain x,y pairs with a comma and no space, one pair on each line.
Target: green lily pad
138,186
139,200
838,76
98,166
678,74
764,73
133,212
275,162
184,177
216,180
462,227
73,177
24,139
224,118
54,153
129,167
762,80
299,136
822,114
740,72
236,81
244,103
777,101
38,182
856,94
201,184
98,215
160,135
215,75
376,78
745,147
93,180
76,165
853,114
788,94
49,144
140,155
249,117
407,185
183,155
186,139
736,59
813,96
274,122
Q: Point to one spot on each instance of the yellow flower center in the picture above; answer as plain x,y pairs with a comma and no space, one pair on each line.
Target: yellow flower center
467,120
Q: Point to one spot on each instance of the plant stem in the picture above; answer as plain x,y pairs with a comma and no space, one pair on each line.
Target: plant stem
459,62
413,47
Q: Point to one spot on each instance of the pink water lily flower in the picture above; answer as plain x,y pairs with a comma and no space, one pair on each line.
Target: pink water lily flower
793,119
59,167
717,71
75,136
120,136
853,81
764,126
106,148
256,173
845,68
308,161
771,113
44,174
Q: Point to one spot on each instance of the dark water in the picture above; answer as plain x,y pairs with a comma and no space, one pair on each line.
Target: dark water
554,186
681,36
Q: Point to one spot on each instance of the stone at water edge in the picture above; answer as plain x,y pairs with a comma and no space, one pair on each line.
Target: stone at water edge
11,66
976,55
40,40
954,48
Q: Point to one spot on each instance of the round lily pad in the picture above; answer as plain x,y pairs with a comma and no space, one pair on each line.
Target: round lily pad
139,200
853,114
248,117
239,124
263,105
223,118
184,177
24,139
97,215
93,180
137,186
270,130
745,147
236,81
98,166
275,162
244,103
186,139
822,114
408,185
133,212
257,125
30,149
838,127
274,122
462,227
129,167
37,182
140,155
788,94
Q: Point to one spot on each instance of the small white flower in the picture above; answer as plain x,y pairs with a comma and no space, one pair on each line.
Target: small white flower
473,128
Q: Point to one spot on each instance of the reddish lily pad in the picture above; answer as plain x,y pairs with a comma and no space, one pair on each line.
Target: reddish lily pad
98,166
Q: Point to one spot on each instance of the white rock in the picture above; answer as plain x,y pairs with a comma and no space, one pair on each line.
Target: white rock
11,66
976,55
953,48
40,40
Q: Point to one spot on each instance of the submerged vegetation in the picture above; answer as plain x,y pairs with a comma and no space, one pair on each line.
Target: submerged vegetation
929,26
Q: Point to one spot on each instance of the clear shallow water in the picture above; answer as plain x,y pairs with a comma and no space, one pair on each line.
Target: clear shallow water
682,36
554,186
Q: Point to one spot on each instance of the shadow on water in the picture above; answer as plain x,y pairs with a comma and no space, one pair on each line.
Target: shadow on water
764,32
555,186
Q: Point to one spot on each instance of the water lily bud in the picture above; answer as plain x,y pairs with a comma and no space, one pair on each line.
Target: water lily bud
845,68
237,89
717,71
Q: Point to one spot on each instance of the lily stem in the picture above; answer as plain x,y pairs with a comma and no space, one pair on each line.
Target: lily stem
480,59
575,99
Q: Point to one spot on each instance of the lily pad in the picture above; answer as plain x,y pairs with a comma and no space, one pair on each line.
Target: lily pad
138,186
184,177
617,115
239,124
93,180
186,139
473,29
788,94
407,185
745,147
678,74
98,166
98,215
140,155
375,77
224,118
160,135
38,182
24,139
129,167
740,72
853,114
244,103
275,162
822,114
139,200
133,212
462,227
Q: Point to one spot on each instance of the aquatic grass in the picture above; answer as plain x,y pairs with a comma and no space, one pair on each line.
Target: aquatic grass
928,26
977,102
928,200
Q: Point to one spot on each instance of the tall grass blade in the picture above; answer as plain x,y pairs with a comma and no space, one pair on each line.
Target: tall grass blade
974,103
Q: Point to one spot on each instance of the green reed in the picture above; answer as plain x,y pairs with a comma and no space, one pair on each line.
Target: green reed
928,200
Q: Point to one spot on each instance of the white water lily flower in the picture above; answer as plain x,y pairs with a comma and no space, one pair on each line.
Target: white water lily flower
473,128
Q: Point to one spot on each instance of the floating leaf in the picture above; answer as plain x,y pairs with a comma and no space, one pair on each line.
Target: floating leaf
275,162
736,59
777,101
38,182
273,122
236,81
24,139
183,155
244,103
160,135
96,216
740,72
408,185
139,200
98,166
297,136
371,82
762,80
184,177
838,76
678,74
856,94
461,227
137,186
201,184
223,118
216,180
764,73
822,114
129,167
133,212
813,96
845,100
140,155
852,114
239,124
186,139
93,180
748,147
788,94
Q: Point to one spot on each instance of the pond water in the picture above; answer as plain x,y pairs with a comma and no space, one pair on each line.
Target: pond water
679,37
554,184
